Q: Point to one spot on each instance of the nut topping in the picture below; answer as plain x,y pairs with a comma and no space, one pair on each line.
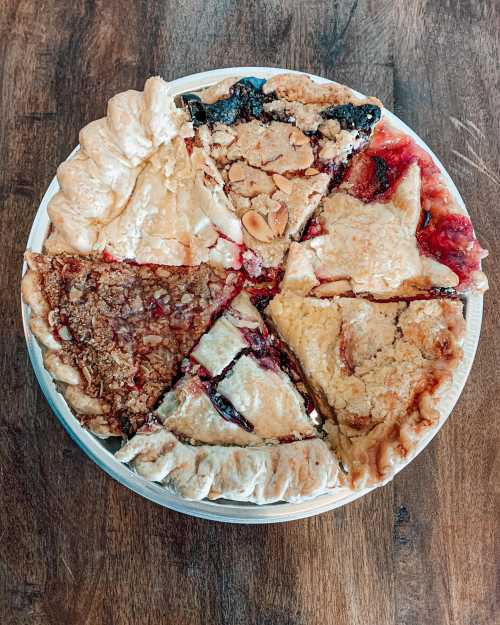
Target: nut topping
278,220
297,137
311,171
257,226
283,184
237,172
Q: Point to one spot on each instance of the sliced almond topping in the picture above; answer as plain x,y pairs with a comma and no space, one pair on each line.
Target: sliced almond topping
222,138
298,138
237,172
311,171
257,226
283,183
278,220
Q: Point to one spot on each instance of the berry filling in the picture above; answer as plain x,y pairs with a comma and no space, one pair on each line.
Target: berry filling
351,117
314,229
374,174
270,353
245,101
226,409
450,240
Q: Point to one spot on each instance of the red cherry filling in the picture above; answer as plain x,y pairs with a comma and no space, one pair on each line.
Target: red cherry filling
314,229
374,174
109,258
450,240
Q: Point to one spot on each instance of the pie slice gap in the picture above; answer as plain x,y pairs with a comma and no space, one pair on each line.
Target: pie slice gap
376,370
115,333
237,425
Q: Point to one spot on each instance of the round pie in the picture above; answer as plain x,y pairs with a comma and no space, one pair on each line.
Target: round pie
258,287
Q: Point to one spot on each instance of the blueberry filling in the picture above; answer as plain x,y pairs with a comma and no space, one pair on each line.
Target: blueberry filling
246,101
351,117
226,410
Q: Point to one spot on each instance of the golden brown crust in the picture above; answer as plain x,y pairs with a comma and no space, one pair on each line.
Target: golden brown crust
291,472
301,88
383,368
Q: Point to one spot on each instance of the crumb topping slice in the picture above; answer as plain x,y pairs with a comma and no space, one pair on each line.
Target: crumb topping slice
119,331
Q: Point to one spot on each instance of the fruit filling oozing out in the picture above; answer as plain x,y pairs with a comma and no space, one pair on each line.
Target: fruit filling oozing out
246,102
240,349
374,173
277,158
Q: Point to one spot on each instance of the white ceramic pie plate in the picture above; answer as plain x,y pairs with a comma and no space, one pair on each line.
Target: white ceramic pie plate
101,451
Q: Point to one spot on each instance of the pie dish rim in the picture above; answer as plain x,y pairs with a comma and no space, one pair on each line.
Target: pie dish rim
222,510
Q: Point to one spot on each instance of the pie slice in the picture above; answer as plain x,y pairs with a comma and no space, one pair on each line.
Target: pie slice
393,228
238,401
116,333
279,149
376,371
138,189
239,387
369,248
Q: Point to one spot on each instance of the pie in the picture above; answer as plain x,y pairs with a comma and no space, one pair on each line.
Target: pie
258,287
115,333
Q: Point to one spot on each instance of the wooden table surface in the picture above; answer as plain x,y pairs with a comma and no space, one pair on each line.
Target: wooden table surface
77,547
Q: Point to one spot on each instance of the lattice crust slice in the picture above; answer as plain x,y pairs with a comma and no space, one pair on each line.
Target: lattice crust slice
238,388
278,153
293,472
376,370
115,333
237,412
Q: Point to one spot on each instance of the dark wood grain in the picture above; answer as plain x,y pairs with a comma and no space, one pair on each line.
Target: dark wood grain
77,548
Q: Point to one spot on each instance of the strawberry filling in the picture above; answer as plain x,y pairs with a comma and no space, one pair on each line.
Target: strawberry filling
450,240
374,174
